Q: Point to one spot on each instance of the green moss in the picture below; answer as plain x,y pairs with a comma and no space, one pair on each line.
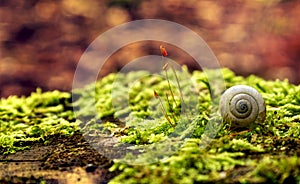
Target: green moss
24,121
119,105
233,156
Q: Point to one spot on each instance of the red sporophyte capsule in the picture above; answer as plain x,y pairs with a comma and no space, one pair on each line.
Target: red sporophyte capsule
163,51
155,94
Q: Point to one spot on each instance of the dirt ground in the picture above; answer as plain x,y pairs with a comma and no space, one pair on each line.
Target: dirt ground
62,160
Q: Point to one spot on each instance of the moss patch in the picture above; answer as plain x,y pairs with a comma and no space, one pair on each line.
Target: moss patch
267,152
124,108
25,121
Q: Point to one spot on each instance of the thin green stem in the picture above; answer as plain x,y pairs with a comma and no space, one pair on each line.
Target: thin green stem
163,109
179,87
171,108
170,88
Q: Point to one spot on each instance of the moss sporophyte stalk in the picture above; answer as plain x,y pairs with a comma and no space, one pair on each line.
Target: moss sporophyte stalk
265,152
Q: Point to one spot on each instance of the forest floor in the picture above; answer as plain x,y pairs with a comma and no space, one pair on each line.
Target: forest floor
67,159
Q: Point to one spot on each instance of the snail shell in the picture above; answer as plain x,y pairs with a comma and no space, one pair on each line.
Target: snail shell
242,105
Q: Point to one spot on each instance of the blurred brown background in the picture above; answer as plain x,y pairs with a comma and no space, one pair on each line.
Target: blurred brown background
42,40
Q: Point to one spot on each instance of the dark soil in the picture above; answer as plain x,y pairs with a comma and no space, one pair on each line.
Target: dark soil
62,160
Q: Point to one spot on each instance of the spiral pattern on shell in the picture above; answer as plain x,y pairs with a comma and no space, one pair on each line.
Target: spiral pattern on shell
242,105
